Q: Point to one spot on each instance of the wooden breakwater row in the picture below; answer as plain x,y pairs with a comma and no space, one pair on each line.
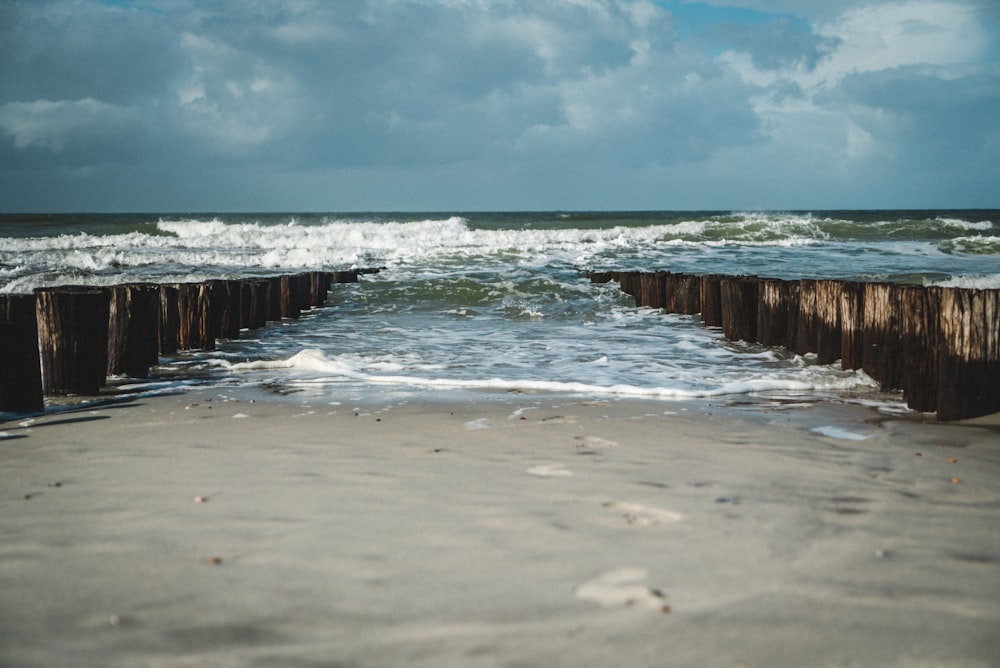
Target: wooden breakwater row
69,339
940,346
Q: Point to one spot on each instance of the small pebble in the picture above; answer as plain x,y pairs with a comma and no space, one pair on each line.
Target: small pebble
215,561
956,480
200,499
952,460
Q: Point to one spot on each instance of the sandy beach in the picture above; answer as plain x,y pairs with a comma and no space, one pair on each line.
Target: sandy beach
236,528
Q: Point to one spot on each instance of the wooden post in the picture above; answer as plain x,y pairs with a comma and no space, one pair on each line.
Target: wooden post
688,300
20,366
291,305
169,319
919,373
254,303
772,311
969,353
274,298
319,287
738,299
196,323
804,340
73,338
880,335
225,298
711,300
852,325
133,329
828,329
350,276
600,276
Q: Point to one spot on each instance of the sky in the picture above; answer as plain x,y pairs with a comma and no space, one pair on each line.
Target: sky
477,105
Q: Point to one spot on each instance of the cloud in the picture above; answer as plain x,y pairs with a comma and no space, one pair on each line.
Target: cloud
54,124
491,103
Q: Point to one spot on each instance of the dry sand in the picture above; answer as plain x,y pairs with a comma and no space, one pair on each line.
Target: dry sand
205,529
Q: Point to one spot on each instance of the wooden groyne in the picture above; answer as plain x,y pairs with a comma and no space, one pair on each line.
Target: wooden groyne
68,340
939,346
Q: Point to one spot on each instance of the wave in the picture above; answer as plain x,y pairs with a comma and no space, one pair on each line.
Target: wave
823,380
237,246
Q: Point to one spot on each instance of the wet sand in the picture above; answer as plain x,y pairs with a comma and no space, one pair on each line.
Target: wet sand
216,528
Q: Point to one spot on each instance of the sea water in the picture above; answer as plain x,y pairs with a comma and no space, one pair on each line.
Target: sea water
472,302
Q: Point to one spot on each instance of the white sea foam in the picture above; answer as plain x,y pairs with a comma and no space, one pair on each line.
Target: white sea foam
821,379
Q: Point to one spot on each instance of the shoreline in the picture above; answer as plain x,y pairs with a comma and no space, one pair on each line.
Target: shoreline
230,526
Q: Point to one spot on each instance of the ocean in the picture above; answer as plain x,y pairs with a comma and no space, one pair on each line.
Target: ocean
467,303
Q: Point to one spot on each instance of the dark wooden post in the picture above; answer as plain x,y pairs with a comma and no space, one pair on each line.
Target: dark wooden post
852,325
772,312
319,287
225,298
274,298
919,373
598,277
350,276
828,328
73,338
688,300
169,319
133,329
969,353
20,366
254,303
880,336
738,298
805,324
291,306
711,300
196,323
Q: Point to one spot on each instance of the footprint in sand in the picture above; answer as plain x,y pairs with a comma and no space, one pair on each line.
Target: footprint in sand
622,587
550,471
594,442
637,514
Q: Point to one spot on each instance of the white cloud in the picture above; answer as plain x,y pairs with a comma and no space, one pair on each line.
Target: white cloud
232,97
56,124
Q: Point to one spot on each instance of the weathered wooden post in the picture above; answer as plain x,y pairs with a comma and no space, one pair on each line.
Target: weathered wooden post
133,329
919,346
969,353
196,323
828,327
880,335
73,338
595,277
804,340
688,298
225,310
772,312
169,319
274,298
738,299
20,366
711,300
349,276
253,312
319,287
291,305
852,325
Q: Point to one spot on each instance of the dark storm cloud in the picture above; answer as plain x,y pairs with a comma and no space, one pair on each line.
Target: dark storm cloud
302,104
